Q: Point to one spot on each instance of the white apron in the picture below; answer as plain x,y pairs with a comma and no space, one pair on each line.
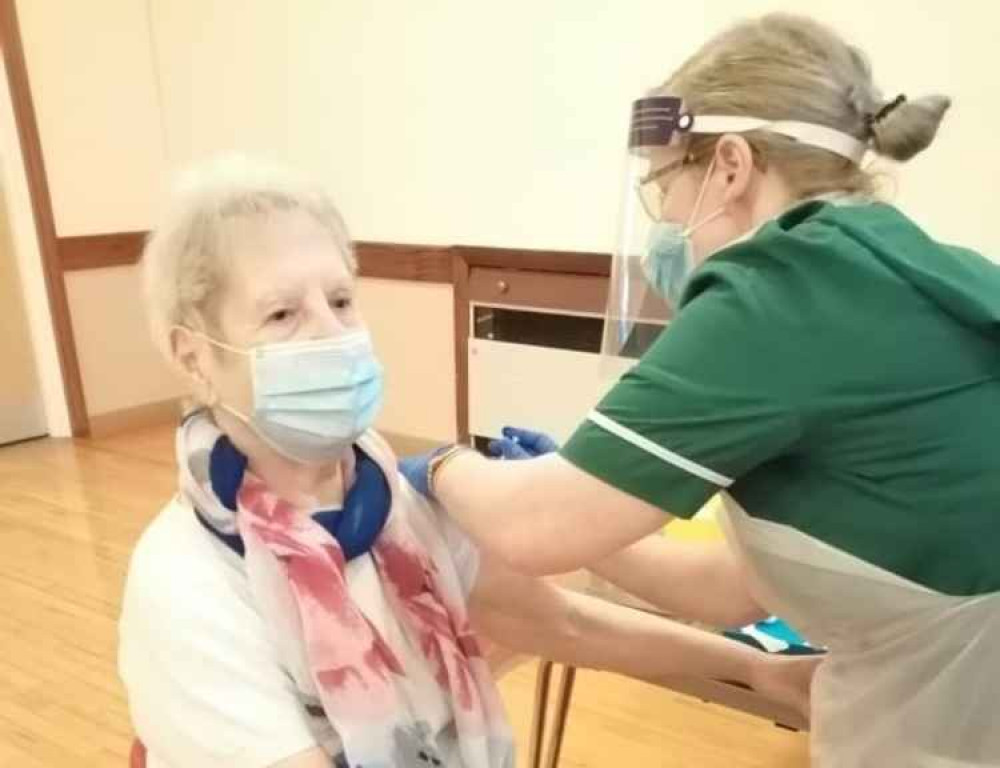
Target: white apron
913,676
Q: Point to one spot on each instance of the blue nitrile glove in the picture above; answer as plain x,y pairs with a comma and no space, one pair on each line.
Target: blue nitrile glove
515,444
414,469
522,444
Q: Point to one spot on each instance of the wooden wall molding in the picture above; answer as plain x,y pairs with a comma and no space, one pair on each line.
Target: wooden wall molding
138,417
391,261
535,260
41,204
94,251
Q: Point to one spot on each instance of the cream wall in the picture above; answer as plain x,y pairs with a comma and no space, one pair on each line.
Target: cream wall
446,121
411,325
91,71
120,366
450,121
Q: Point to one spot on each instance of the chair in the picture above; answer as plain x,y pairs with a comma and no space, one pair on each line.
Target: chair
137,756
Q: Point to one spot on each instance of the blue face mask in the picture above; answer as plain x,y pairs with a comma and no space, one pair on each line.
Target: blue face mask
669,260
313,399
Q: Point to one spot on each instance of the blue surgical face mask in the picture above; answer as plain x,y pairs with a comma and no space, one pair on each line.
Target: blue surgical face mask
669,260
313,399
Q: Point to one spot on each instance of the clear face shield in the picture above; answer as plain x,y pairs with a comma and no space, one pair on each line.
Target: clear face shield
636,313
644,292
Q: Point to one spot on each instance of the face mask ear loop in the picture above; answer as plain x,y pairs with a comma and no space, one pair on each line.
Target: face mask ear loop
228,348
264,438
210,340
711,217
701,196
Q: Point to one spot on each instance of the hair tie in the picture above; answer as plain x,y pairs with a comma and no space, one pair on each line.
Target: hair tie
871,120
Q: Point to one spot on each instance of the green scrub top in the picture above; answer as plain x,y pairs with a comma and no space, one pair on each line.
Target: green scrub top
838,372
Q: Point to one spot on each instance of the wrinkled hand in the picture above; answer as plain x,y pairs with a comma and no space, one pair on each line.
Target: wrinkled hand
787,679
522,444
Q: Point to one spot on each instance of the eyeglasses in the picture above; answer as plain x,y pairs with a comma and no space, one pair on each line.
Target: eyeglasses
653,187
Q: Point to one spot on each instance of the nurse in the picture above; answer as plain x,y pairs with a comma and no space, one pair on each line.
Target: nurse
829,368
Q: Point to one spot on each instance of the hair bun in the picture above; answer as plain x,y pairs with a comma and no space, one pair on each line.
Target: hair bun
902,128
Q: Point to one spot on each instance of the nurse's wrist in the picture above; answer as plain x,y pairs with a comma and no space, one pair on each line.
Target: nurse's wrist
438,464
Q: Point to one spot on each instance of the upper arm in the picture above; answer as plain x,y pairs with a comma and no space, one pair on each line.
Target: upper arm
710,401
579,519
204,685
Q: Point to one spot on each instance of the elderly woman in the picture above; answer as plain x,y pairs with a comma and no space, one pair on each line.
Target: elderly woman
296,603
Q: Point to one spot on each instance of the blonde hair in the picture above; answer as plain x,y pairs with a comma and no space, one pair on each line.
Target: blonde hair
185,261
789,67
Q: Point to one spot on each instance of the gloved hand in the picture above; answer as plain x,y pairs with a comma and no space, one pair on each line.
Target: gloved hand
522,444
414,469
515,444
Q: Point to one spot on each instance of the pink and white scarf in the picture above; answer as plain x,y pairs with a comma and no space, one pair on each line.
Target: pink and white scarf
296,570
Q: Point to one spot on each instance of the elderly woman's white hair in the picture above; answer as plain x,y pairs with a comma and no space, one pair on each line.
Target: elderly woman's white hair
185,259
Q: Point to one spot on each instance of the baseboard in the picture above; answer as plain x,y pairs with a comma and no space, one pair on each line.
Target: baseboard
145,415
22,420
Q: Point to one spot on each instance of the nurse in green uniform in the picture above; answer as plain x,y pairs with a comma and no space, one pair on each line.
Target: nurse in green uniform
830,368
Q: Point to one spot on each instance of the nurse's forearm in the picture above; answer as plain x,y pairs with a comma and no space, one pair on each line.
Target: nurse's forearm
541,516
618,639
534,616
697,581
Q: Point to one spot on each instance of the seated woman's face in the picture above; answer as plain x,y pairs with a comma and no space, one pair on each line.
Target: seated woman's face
286,280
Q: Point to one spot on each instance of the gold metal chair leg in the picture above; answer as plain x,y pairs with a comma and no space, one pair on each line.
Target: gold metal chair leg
563,700
543,680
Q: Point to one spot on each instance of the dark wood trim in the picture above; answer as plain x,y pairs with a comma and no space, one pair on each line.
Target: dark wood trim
571,262
392,261
460,290
93,251
41,203
153,414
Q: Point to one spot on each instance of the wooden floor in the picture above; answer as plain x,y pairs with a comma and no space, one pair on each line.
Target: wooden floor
70,512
